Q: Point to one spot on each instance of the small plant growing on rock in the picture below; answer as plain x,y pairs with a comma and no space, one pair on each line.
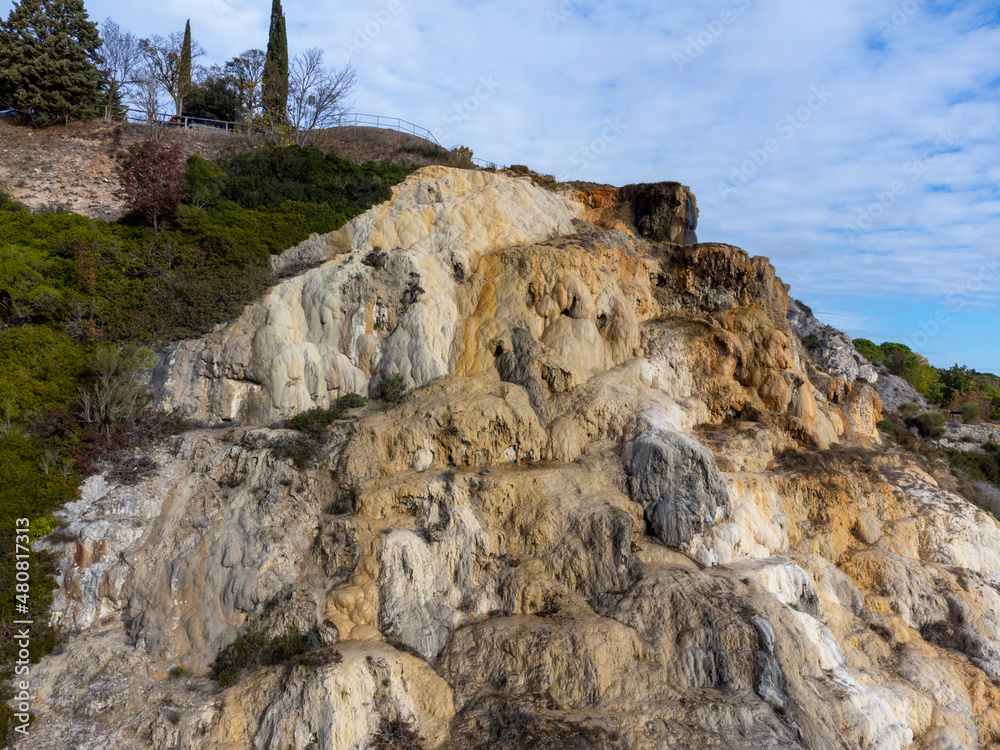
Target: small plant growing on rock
351,401
314,421
253,650
393,389
811,342
551,605
302,449
929,424
395,734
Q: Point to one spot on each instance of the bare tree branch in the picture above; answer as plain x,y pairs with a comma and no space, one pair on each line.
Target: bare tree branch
317,97
163,65
121,60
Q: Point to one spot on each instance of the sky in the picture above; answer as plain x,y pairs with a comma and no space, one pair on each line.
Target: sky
853,143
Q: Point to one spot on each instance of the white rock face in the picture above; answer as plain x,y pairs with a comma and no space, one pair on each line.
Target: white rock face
616,509
365,314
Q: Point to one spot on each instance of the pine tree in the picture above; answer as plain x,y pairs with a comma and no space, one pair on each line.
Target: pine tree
275,94
184,69
48,61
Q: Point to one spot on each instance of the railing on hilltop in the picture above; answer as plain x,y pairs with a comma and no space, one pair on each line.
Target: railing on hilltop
357,119
351,119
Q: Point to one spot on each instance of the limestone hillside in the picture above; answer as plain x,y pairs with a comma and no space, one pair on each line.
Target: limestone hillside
618,507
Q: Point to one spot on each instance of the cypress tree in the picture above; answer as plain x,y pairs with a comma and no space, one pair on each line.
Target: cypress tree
48,61
275,90
184,68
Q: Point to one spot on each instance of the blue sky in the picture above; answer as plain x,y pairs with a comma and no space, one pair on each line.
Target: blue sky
853,143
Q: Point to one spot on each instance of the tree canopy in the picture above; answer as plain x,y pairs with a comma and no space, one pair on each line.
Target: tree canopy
49,61
275,94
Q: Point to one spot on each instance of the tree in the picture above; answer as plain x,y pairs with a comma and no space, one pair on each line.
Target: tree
216,96
49,61
163,65
247,74
152,178
120,62
184,69
146,98
117,393
317,96
275,84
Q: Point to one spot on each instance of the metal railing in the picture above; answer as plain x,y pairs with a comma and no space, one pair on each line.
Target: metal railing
351,119
357,119
142,117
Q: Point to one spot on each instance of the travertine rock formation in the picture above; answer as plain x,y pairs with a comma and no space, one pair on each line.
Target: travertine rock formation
617,509
836,355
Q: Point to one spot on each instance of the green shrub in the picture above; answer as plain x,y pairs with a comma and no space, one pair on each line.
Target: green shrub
972,413
253,650
314,421
205,180
267,177
351,401
929,424
40,369
393,389
9,204
981,466
811,342
303,450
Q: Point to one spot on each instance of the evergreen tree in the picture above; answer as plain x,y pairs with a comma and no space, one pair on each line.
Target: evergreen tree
49,61
184,69
275,94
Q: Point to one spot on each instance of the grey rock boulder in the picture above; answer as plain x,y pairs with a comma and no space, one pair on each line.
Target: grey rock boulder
676,478
894,391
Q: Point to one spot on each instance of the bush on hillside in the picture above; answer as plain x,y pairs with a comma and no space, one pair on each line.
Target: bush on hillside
151,178
204,181
393,389
253,650
972,413
268,177
929,424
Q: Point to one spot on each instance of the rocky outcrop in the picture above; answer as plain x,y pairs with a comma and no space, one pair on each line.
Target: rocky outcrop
618,508
659,212
367,315
969,437
833,352
663,212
